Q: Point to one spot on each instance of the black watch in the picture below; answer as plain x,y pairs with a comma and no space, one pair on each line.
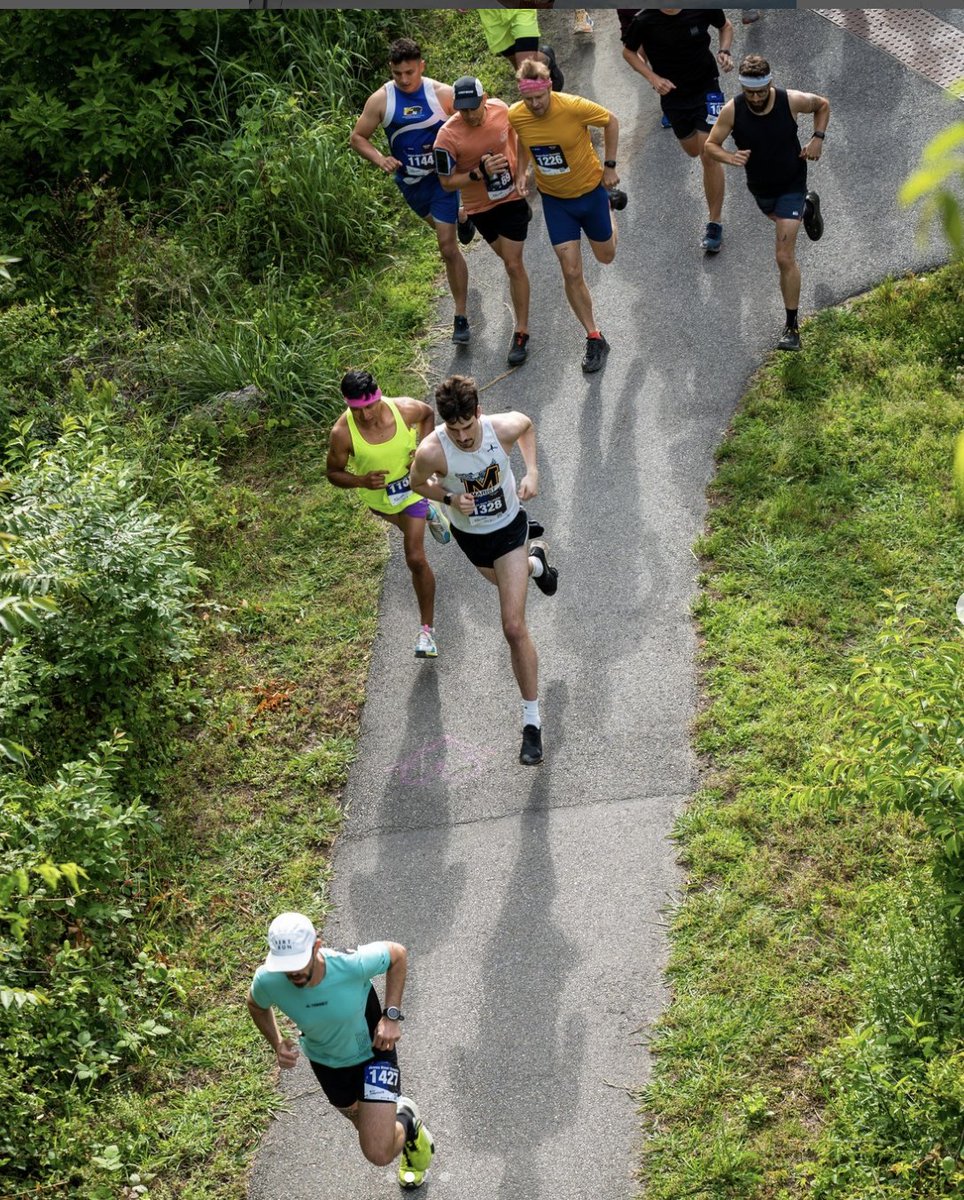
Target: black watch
610,163
475,176
447,498
393,1013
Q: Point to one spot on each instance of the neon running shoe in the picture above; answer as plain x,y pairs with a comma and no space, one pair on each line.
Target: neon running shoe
417,1154
790,339
812,220
438,524
713,238
581,21
531,753
596,349
425,646
460,331
548,581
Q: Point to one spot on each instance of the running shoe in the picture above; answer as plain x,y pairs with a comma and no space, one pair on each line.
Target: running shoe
425,646
519,350
581,21
812,220
439,525
555,75
460,331
465,231
417,1153
531,753
713,238
596,349
790,339
750,15
548,581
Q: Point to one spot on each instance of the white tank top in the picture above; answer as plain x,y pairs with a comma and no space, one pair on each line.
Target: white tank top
486,474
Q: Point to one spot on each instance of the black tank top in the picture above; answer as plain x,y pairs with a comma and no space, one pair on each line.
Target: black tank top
775,166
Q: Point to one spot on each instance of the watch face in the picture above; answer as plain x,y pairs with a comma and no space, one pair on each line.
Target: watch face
392,1013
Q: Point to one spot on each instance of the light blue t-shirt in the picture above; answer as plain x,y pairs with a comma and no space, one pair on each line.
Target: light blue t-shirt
330,1015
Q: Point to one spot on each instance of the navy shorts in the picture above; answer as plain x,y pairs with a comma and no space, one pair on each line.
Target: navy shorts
482,549
427,197
377,1081
589,214
788,207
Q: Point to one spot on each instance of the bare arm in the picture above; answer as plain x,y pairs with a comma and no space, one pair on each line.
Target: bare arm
339,451
388,1032
360,141
640,63
723,127
810,102
610,147
285,1050
522,170
725,56
516,429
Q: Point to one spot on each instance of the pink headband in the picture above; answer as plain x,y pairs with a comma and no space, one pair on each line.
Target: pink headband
364,401
529,87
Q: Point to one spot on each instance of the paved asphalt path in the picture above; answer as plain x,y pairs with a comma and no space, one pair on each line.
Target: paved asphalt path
533,901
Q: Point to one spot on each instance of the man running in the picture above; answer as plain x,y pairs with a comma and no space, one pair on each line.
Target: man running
477,153
513,33
465,464
670,48
554,130
763,121
346,1035
371,448
412,108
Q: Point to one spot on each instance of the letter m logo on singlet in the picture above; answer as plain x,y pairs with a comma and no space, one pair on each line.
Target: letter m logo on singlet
484,481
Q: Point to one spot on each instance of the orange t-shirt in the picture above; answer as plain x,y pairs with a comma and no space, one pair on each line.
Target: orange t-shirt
466,144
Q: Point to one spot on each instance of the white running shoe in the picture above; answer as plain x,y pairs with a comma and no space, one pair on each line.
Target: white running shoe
439,525
581,21
425,646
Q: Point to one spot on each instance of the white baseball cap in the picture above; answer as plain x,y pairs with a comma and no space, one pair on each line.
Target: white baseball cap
291,939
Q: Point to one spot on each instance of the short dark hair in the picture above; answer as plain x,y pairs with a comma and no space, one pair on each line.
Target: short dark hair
755,65
357,384
457,398
404,50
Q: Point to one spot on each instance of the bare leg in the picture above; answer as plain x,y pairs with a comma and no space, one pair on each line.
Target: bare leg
456,268
787,231
714,179
380,1135
423,578
511,255
512,577
577,292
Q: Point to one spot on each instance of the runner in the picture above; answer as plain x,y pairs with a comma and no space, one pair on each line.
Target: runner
763,121
554,131
465,464
476,152
513,33
371,448
670,48
347,1037
412,108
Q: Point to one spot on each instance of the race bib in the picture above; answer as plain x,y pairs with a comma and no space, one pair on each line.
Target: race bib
714,103
499,185
399,490
420,162
550,160
381,1081
492,504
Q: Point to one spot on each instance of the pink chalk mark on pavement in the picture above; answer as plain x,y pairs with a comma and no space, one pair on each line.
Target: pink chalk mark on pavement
446,758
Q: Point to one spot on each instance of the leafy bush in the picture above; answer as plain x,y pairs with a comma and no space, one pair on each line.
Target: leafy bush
122,578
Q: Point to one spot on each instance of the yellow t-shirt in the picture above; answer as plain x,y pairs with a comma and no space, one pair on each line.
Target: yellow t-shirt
566,164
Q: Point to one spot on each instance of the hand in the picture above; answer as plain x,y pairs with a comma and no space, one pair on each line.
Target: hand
464,503
373,480
813,149
529,484
287,1054
663,86
609,177
725,59
389,164
387,1034
494,163
739,158
522,184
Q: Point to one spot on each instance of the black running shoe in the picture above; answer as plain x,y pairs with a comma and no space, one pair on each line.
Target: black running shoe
460,331
548,581
531,753
519,350
596,349
465,231
812,220
790,339
555,75
536,530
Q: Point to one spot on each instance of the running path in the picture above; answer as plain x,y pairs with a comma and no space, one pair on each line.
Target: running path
532,900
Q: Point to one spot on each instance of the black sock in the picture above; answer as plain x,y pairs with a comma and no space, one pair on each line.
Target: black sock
792,317
406,1122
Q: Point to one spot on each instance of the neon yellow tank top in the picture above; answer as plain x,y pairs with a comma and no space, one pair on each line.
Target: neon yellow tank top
394,457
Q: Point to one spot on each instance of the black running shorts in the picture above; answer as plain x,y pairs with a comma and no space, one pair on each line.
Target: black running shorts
482,549
509,220
686,116
344,1085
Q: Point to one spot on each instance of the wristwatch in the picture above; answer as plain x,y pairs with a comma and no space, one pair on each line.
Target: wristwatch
447,498
393,1013
611,163
475,176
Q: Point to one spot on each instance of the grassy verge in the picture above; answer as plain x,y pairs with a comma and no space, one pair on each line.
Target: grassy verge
834,486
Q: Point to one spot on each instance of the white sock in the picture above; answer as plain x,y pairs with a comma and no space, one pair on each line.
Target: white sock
536,569
530,713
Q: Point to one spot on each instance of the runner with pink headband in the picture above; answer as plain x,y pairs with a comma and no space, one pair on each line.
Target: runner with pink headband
371,448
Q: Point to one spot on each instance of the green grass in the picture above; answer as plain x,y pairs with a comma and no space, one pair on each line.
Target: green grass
834,487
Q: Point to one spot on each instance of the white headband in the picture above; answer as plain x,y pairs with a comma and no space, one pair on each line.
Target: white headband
753,82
